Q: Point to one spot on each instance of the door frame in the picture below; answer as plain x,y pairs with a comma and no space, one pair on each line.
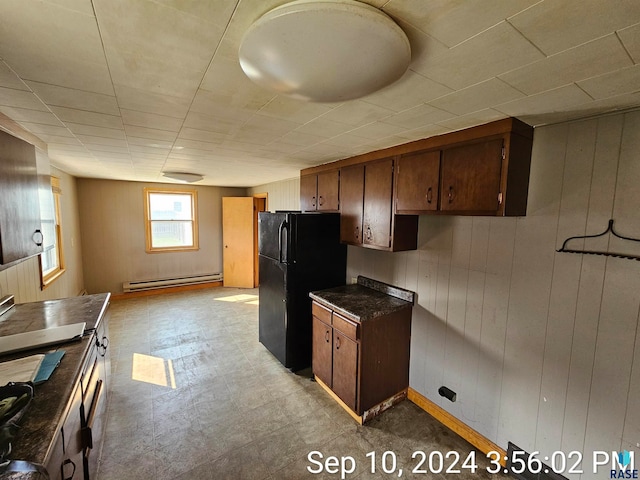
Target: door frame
260,204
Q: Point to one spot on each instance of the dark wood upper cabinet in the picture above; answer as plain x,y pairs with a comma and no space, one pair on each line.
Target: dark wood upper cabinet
482,170
320,192
308,193
20,230
471,177
366,209
352,204
378,201
417,182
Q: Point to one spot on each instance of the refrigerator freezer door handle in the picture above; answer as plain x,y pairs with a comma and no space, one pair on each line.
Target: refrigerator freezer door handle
284,226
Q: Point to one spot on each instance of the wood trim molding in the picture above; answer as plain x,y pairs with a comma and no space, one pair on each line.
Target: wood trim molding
499,127
469,434
161,291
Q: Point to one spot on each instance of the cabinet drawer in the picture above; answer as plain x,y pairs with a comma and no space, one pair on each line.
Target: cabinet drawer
321,313
349,328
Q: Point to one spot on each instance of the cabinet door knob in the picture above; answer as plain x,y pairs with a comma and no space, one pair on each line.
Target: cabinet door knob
337,343
357,233
38,238
450,194
313,202
326,336
429,195
320,200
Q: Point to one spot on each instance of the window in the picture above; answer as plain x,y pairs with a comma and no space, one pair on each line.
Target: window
51,259
170,220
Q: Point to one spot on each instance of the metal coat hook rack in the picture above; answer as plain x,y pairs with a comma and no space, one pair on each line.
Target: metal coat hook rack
610,230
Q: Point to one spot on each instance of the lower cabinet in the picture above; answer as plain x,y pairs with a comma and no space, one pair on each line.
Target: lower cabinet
363,363
75,450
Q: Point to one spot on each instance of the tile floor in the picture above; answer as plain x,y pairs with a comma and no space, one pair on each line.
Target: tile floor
194,395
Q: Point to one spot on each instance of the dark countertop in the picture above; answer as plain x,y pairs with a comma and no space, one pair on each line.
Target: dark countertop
44,416
366,299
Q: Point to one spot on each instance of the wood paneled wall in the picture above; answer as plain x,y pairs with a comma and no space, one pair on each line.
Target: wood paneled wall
112,220
282,195
23,279
542,348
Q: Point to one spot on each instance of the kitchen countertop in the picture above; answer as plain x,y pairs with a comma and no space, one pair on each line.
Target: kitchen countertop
366,299
44,416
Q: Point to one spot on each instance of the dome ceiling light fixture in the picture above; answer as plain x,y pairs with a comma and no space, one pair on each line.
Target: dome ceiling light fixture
183,176
324,50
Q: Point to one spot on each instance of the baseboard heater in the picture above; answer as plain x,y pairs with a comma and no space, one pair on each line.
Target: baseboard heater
137,286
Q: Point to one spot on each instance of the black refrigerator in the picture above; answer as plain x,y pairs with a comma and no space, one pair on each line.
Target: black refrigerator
299,253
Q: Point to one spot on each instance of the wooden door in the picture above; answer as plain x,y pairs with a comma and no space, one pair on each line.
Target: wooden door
378,191
322,351
471,177
238,242
308,192
417,180
351,204
345,369
328,191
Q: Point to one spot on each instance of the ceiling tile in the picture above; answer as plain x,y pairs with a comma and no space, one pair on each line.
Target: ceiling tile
630,38
152,133
294,110
200,135
21,99
418,116
554,26
151,120
8,79
82,129
67,97
154,47
468,63
622,81
147,142
472,119
39,128
376,130
33,116
357,113
88,139
301,139
603,55
546,102
411,90
477,97
87,118
37,48
323,127
452,22
145,101
218,105
53,140
211,123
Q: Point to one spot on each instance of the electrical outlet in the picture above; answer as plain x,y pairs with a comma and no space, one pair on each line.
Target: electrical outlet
354,280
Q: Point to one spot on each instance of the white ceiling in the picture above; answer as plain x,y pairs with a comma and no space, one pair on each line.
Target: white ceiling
124,89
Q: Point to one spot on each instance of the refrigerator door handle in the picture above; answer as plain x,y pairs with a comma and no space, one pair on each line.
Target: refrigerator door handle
284,226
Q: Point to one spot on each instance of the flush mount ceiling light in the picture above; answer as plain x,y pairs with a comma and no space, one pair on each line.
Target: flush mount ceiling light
183,176
324,50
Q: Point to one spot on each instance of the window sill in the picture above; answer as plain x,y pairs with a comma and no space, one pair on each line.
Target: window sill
52,277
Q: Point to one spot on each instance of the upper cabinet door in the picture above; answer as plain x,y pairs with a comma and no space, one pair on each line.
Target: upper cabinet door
20,228
378,195
352,201
329,191
417,180
308,192
471,176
